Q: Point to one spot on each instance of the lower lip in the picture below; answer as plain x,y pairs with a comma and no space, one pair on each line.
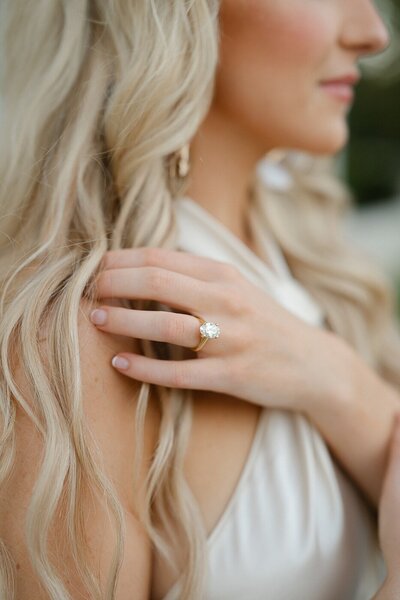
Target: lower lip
341,91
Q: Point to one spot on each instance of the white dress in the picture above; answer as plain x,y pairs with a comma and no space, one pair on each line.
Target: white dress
295,527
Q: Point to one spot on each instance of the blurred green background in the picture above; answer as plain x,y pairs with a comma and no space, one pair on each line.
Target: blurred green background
371,162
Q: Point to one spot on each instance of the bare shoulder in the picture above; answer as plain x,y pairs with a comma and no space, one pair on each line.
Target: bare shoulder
110,398
110,401
109,404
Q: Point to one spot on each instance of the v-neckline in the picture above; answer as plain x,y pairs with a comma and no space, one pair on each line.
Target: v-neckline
278,268
203,234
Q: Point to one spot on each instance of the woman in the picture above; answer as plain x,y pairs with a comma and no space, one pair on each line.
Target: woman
264,446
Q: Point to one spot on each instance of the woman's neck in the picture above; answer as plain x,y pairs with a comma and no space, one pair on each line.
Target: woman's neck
223,158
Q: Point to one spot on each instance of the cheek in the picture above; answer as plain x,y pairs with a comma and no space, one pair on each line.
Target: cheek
272,56
301,37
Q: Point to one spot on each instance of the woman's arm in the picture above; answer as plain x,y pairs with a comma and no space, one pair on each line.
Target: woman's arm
389,520
356,419
389,591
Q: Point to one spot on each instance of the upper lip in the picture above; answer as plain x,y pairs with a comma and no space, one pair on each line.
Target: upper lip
349,78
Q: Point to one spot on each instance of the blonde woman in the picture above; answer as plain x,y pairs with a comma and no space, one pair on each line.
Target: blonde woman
139,459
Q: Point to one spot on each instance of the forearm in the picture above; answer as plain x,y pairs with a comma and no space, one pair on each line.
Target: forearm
390,590
356,419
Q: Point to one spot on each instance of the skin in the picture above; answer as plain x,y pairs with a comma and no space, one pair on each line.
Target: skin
389,528
274,56
268,95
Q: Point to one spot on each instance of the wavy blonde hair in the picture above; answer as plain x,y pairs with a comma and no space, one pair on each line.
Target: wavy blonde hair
97,96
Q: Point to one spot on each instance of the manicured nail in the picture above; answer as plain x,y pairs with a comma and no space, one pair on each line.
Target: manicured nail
119,362
98,316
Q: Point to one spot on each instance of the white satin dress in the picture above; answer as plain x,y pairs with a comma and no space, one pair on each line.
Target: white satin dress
295,527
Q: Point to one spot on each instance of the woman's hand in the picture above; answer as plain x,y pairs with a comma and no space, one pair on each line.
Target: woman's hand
264,354
389,520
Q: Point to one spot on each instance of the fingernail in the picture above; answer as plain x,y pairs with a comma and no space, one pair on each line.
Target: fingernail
98,316
120,363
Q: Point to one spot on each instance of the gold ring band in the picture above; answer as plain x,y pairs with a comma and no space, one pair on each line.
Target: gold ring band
203,340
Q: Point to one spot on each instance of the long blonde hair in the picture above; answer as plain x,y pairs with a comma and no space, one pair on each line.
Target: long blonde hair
97,96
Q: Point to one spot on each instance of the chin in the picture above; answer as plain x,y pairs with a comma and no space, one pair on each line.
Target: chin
330,141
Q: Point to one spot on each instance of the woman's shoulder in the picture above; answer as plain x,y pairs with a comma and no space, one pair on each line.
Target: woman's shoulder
110,398
109,402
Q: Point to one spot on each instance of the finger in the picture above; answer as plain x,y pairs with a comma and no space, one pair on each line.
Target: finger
195,374
186,263
152,283
158,326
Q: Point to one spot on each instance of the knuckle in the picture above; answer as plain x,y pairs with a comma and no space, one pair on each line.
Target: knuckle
150,255
231,272
179,332
107,259
104,282
173,328
156,279
226,271
235,303
220,296
178,377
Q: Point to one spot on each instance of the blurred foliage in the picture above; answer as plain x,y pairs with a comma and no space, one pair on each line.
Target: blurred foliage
373,153
372,160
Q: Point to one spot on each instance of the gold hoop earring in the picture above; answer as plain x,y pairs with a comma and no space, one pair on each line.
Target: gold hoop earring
180,163
183,165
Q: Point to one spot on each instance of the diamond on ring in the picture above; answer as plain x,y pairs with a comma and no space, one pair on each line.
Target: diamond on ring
209,330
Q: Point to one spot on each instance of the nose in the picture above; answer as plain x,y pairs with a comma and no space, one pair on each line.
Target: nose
364,31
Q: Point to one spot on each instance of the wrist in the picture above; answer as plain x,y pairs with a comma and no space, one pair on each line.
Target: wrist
353,409
336,380
390,589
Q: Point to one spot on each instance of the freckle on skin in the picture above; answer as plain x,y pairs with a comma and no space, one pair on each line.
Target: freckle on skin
18,566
